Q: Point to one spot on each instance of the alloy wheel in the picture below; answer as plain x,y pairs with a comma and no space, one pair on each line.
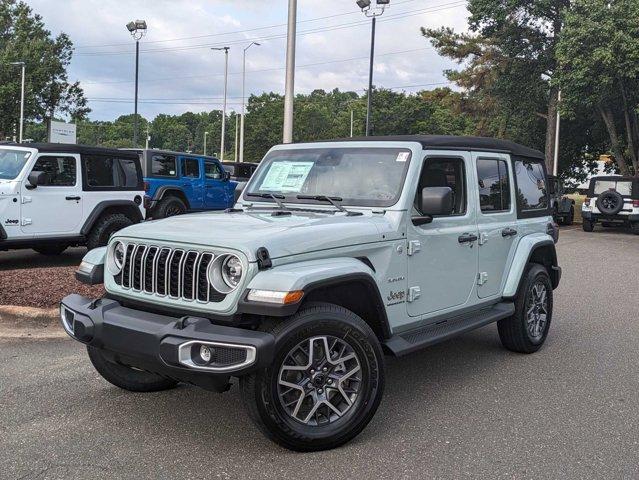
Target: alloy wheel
537,310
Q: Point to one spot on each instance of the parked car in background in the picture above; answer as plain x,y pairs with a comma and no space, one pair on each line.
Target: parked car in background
562,206
613,201
177,183
54,196
337,252
240,174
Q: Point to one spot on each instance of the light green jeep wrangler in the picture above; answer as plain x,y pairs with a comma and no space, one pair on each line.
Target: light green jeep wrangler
336,254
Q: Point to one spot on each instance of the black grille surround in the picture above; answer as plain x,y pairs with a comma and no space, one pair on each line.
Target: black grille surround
174,273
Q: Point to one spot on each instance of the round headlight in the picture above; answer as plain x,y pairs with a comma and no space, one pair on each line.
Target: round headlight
225,273
116,258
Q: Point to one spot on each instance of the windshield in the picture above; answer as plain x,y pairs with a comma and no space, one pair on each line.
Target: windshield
356,176
623,187
11,163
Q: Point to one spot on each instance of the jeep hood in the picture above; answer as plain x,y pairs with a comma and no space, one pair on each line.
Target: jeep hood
282,235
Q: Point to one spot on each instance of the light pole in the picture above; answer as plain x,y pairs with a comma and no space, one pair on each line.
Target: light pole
289,95
206,134
137,29
244,99
373,13
555,166
23,68
226,78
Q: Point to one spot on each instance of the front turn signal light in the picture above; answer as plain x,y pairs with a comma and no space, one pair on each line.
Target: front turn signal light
279,298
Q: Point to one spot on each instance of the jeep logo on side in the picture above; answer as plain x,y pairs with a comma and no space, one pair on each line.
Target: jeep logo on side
12,221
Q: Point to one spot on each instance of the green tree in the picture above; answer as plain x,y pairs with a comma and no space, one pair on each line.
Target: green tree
23,37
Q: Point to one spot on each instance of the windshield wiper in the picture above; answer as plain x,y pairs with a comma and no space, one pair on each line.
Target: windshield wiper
332,200
273,196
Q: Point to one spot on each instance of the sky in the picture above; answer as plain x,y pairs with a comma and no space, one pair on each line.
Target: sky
179,72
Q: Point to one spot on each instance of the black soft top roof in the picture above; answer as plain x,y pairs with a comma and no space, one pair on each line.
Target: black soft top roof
448,142
72,148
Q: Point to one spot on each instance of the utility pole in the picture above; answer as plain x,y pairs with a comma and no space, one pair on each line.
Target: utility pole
21,127
289,95
555,167
148,137
244,100
226,78
236,135
351,123
206,134
137,29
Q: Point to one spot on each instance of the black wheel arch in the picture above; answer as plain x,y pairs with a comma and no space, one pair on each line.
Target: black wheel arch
167,190
127,207
544,254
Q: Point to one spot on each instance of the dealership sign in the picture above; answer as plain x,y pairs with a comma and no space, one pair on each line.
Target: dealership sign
60,132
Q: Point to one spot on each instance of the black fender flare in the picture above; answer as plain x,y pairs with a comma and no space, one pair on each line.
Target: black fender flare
101,207
161,192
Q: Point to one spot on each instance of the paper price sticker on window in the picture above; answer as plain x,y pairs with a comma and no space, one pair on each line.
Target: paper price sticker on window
402,157
286,176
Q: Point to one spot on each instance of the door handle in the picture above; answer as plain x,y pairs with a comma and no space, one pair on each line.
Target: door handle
468,238
508,232
73,198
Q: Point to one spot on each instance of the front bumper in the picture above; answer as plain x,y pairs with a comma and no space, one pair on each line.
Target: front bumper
166,345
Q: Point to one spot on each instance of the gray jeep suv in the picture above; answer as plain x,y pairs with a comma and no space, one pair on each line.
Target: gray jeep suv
336,253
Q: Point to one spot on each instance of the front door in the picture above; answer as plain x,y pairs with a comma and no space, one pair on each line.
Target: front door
442,262
192,183
216,185
54,208
496,220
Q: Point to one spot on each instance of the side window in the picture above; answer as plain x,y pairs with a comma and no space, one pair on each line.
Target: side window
213,171
191,168
61,170
101,171
163,165
130,172
532,191
494,185
445,172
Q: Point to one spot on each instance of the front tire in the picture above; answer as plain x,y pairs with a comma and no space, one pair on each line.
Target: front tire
588,225
324,384
128,378
527,329
105,227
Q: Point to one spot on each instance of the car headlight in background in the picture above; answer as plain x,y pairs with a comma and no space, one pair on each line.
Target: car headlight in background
115,258
225,273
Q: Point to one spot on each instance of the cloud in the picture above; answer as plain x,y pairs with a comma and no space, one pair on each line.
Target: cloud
179,75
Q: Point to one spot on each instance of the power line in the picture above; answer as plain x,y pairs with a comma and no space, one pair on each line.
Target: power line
446,6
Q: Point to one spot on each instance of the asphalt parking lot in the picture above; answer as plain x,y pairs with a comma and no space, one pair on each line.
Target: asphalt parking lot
463,409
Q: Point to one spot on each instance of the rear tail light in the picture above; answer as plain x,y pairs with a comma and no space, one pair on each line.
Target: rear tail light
587,202
147,187
635,203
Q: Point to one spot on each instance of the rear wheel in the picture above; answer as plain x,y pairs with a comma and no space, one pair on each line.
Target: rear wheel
570,217
105,227
128,378
634,226
588,225
324,384
527,329
169,207
50,249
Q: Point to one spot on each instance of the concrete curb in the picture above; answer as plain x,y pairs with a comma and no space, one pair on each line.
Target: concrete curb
29,322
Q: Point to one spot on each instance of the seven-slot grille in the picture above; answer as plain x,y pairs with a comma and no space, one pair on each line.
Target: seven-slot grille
168,272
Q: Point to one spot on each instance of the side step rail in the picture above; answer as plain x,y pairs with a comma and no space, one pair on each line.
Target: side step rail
425,336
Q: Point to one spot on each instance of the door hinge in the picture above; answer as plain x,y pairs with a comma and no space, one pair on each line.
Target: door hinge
26,199
483,238
413,294
26,221
414,246
482,278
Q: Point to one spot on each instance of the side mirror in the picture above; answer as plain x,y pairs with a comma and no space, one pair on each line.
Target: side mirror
434,201
37,178
227,176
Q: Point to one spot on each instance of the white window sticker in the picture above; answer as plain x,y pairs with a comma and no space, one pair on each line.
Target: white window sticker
402,156
286,176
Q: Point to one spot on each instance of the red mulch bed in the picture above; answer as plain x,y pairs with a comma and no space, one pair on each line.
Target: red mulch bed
42,287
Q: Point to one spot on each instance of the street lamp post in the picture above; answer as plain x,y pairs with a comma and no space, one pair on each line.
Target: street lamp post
21,128
373,13
206,134
137,29
226,77
244,100
289,89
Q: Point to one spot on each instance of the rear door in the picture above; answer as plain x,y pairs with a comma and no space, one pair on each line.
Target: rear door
55,208
192,182
496,220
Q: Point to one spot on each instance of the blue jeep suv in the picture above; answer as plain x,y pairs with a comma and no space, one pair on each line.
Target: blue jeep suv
177,183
